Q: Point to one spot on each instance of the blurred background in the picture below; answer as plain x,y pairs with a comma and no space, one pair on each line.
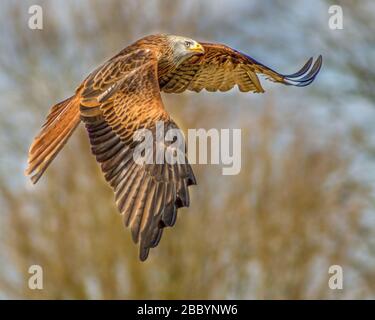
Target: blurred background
303,201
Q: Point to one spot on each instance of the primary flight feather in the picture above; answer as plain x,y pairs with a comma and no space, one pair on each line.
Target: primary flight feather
123,95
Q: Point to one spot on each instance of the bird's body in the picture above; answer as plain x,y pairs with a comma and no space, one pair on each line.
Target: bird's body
123,96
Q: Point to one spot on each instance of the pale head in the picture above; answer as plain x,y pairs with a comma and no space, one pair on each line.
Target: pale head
183,48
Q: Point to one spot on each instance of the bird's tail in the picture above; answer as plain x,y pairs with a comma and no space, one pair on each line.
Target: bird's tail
61,121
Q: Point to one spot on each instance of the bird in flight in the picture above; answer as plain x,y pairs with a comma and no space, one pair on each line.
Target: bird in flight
123,95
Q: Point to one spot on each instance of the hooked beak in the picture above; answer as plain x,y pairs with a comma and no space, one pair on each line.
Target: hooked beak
197,48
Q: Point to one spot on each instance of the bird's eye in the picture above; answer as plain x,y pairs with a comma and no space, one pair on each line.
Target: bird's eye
188,44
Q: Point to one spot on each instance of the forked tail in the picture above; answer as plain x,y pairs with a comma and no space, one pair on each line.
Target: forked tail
61,121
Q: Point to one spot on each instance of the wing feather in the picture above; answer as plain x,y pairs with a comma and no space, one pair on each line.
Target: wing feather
115,104
221,68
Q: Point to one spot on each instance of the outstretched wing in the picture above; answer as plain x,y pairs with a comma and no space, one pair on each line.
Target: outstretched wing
118,99
221,68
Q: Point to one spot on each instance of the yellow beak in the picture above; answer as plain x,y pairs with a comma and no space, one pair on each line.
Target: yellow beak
197,47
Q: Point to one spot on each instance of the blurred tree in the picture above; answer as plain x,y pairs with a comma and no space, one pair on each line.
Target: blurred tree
271,232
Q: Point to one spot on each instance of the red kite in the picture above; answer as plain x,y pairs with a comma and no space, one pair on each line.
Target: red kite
123,95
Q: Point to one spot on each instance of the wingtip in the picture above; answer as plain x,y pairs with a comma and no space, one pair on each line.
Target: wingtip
306,75
33,178
300,72
27,172
143,254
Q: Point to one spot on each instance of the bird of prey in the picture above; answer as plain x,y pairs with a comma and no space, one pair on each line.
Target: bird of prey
123,95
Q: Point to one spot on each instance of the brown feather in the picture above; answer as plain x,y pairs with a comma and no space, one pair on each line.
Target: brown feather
115,103
59,126
220,68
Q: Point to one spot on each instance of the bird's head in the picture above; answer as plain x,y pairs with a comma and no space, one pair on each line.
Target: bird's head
184,48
